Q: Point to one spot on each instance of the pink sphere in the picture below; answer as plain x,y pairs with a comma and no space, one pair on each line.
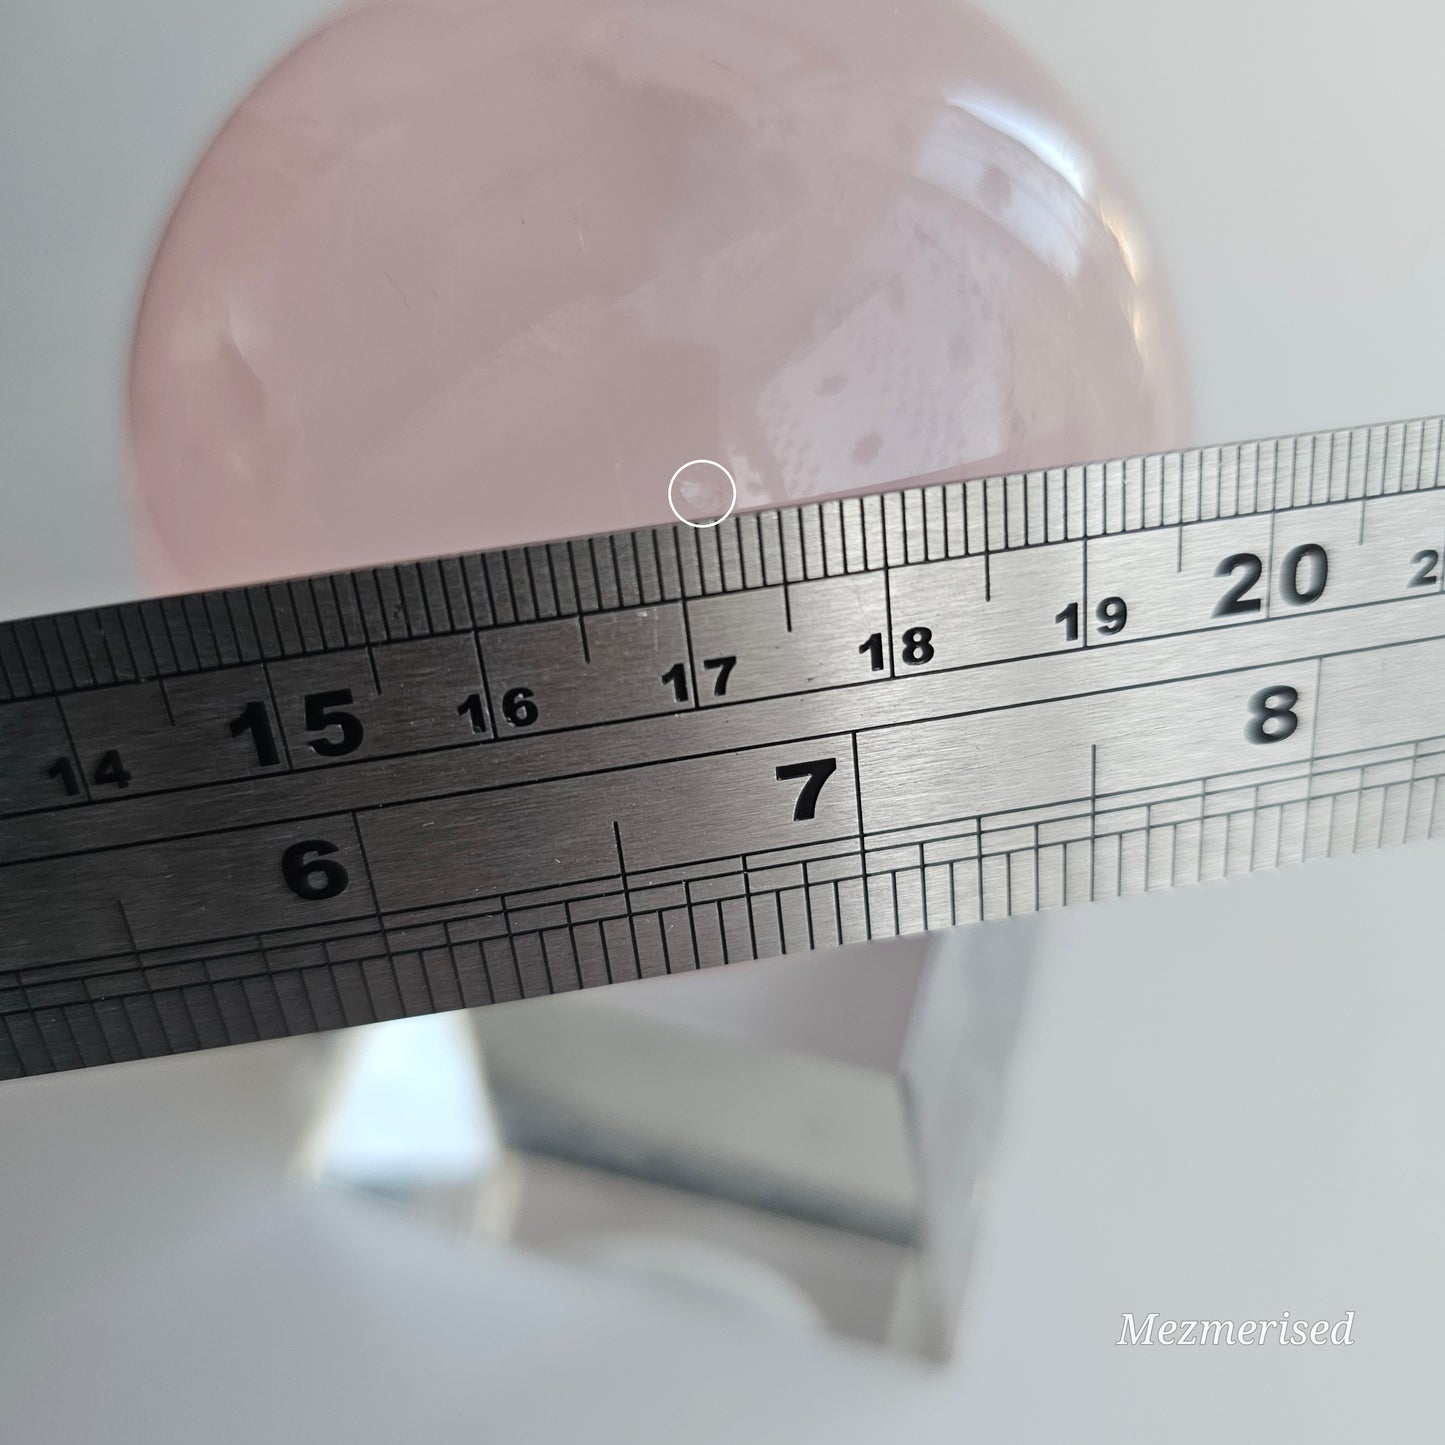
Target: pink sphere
467,273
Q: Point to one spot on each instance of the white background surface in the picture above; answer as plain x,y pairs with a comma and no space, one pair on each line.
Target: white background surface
1229,1099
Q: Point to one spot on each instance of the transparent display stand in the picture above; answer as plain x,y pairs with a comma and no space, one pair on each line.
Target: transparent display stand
808,1138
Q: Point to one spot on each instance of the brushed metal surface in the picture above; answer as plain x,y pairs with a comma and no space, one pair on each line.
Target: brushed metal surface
327,801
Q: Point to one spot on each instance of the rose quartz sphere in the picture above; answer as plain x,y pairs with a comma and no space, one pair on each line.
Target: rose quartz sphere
466,273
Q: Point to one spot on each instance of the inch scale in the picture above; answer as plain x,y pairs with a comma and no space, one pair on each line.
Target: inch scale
316,803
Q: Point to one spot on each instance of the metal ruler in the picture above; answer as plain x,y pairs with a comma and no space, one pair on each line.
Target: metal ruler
308,804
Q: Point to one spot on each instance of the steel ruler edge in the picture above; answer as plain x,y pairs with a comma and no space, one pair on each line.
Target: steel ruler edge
314,803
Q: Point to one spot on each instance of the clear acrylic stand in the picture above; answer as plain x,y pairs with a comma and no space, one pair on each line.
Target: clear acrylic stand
805,1137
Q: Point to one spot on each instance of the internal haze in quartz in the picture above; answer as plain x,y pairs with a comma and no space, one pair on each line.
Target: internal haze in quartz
466,273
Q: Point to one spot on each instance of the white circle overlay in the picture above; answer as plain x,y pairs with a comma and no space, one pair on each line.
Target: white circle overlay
702,462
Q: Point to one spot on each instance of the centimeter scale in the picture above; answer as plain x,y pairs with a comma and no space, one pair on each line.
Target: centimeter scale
308,804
